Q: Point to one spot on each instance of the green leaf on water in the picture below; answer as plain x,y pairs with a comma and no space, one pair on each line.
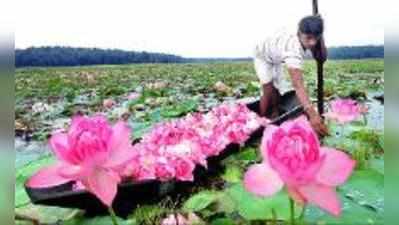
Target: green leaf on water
99,220
223,221
179,109
362,201
150,214
251,207
225,204
23,173
343,143
201,200
139,128
369,138
381,140
366,188
244,157
247,154
232,174
46,214
352,213
377,163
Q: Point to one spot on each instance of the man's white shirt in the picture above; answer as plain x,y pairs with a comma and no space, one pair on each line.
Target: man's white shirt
282,47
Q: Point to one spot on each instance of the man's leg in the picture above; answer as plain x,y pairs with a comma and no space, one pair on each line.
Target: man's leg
269,101
276,100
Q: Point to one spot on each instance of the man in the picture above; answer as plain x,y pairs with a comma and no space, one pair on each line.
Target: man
289,48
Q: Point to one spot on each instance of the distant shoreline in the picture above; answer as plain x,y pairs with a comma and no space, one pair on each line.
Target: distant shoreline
67,56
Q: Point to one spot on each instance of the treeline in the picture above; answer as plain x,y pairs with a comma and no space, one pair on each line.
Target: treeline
343,52
356,52
210,60
68,56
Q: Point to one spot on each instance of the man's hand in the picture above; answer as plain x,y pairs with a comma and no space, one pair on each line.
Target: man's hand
314,117
317,122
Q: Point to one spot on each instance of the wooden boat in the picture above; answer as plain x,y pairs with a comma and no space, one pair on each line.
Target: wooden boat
131,194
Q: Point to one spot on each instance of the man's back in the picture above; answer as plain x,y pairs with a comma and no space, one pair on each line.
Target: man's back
282,46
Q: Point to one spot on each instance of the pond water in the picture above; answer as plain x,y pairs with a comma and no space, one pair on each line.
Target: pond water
28,151
375,116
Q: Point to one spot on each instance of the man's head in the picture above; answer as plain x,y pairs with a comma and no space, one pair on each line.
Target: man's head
310,29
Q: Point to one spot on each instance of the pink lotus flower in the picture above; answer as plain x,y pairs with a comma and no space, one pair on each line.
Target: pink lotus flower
292,156
225,124
91,153
174,219
363,109
345,110
133,96
172,149
210,133
168,151
183,168
142,165
179,219
164,170
108,103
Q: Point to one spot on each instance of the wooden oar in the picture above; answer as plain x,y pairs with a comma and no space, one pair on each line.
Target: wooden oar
283,117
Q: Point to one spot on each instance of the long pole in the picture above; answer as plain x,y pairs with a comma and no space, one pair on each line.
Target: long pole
320,84
315,7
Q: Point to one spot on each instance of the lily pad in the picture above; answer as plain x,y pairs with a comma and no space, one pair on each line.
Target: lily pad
366,188
223,221
201,200
179,109
101,220
22,174
252,207
362,200
45,215
232,174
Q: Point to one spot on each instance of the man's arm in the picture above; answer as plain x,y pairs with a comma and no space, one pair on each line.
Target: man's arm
314,117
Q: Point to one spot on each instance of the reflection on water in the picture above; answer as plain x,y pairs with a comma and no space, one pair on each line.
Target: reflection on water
375,116
28,151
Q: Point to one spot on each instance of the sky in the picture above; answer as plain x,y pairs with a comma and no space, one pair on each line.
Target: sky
190,28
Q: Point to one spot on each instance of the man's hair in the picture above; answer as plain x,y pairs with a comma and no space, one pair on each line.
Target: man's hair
312,25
